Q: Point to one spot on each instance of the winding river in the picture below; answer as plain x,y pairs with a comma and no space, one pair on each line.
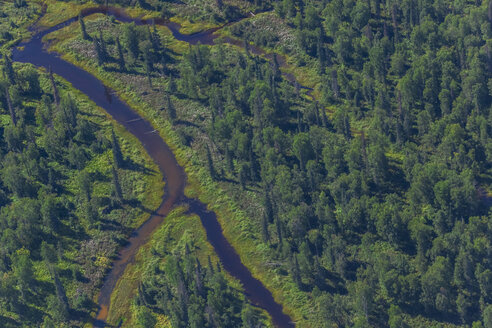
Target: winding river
33,52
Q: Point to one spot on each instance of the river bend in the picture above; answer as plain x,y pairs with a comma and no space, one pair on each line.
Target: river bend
33,52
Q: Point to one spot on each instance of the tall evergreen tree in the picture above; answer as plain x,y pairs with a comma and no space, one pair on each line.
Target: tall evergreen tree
56,95
264,229
117,155
171,111
116,184
210,163
121,57
85,36
10,106
296,271
9,69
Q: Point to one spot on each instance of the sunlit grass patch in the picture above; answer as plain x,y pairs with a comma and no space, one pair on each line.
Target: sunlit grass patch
60,11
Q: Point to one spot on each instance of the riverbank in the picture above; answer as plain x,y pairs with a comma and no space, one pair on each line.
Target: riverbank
83,242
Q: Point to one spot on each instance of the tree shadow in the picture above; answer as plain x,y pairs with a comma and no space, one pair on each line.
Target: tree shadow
131,165
8,322
66,230
135,203
30,313
187,124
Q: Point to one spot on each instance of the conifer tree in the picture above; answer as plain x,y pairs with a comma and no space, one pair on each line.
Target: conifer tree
210,266
210,163
56,95
268,208
296,271
10,106
279,231
243,175
149,77
253,165
229,160
61,295
121,58
97,49
85,36
9,69
171,111
246,47
264,229
116,184
171,86
117,155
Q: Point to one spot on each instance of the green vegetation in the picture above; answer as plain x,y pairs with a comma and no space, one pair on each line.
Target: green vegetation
176,264
64,210
15,18
368,207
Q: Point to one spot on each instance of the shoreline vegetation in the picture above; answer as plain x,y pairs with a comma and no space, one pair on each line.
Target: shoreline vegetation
199,184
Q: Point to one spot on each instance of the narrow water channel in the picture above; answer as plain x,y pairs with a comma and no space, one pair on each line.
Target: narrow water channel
33,52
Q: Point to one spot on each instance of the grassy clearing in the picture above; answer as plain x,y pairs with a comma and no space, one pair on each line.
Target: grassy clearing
190,27
59,11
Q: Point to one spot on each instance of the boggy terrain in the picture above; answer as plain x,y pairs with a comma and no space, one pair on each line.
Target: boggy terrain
365,207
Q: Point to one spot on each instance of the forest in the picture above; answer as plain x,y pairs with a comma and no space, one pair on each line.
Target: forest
344,145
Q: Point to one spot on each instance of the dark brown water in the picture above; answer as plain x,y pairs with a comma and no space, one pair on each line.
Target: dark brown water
34,53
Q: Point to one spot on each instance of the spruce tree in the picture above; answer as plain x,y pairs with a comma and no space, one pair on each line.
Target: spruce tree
171,111
264,229
210,163
210,266
268,208
9,69
121,58
117,155
171,86
85,36
116,184
56,95
279,231
324,119
10,106
246,47
61,295
229,160
147,72
253,164
296,271
243,175
99,48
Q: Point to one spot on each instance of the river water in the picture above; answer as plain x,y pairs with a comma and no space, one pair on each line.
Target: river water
33,52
